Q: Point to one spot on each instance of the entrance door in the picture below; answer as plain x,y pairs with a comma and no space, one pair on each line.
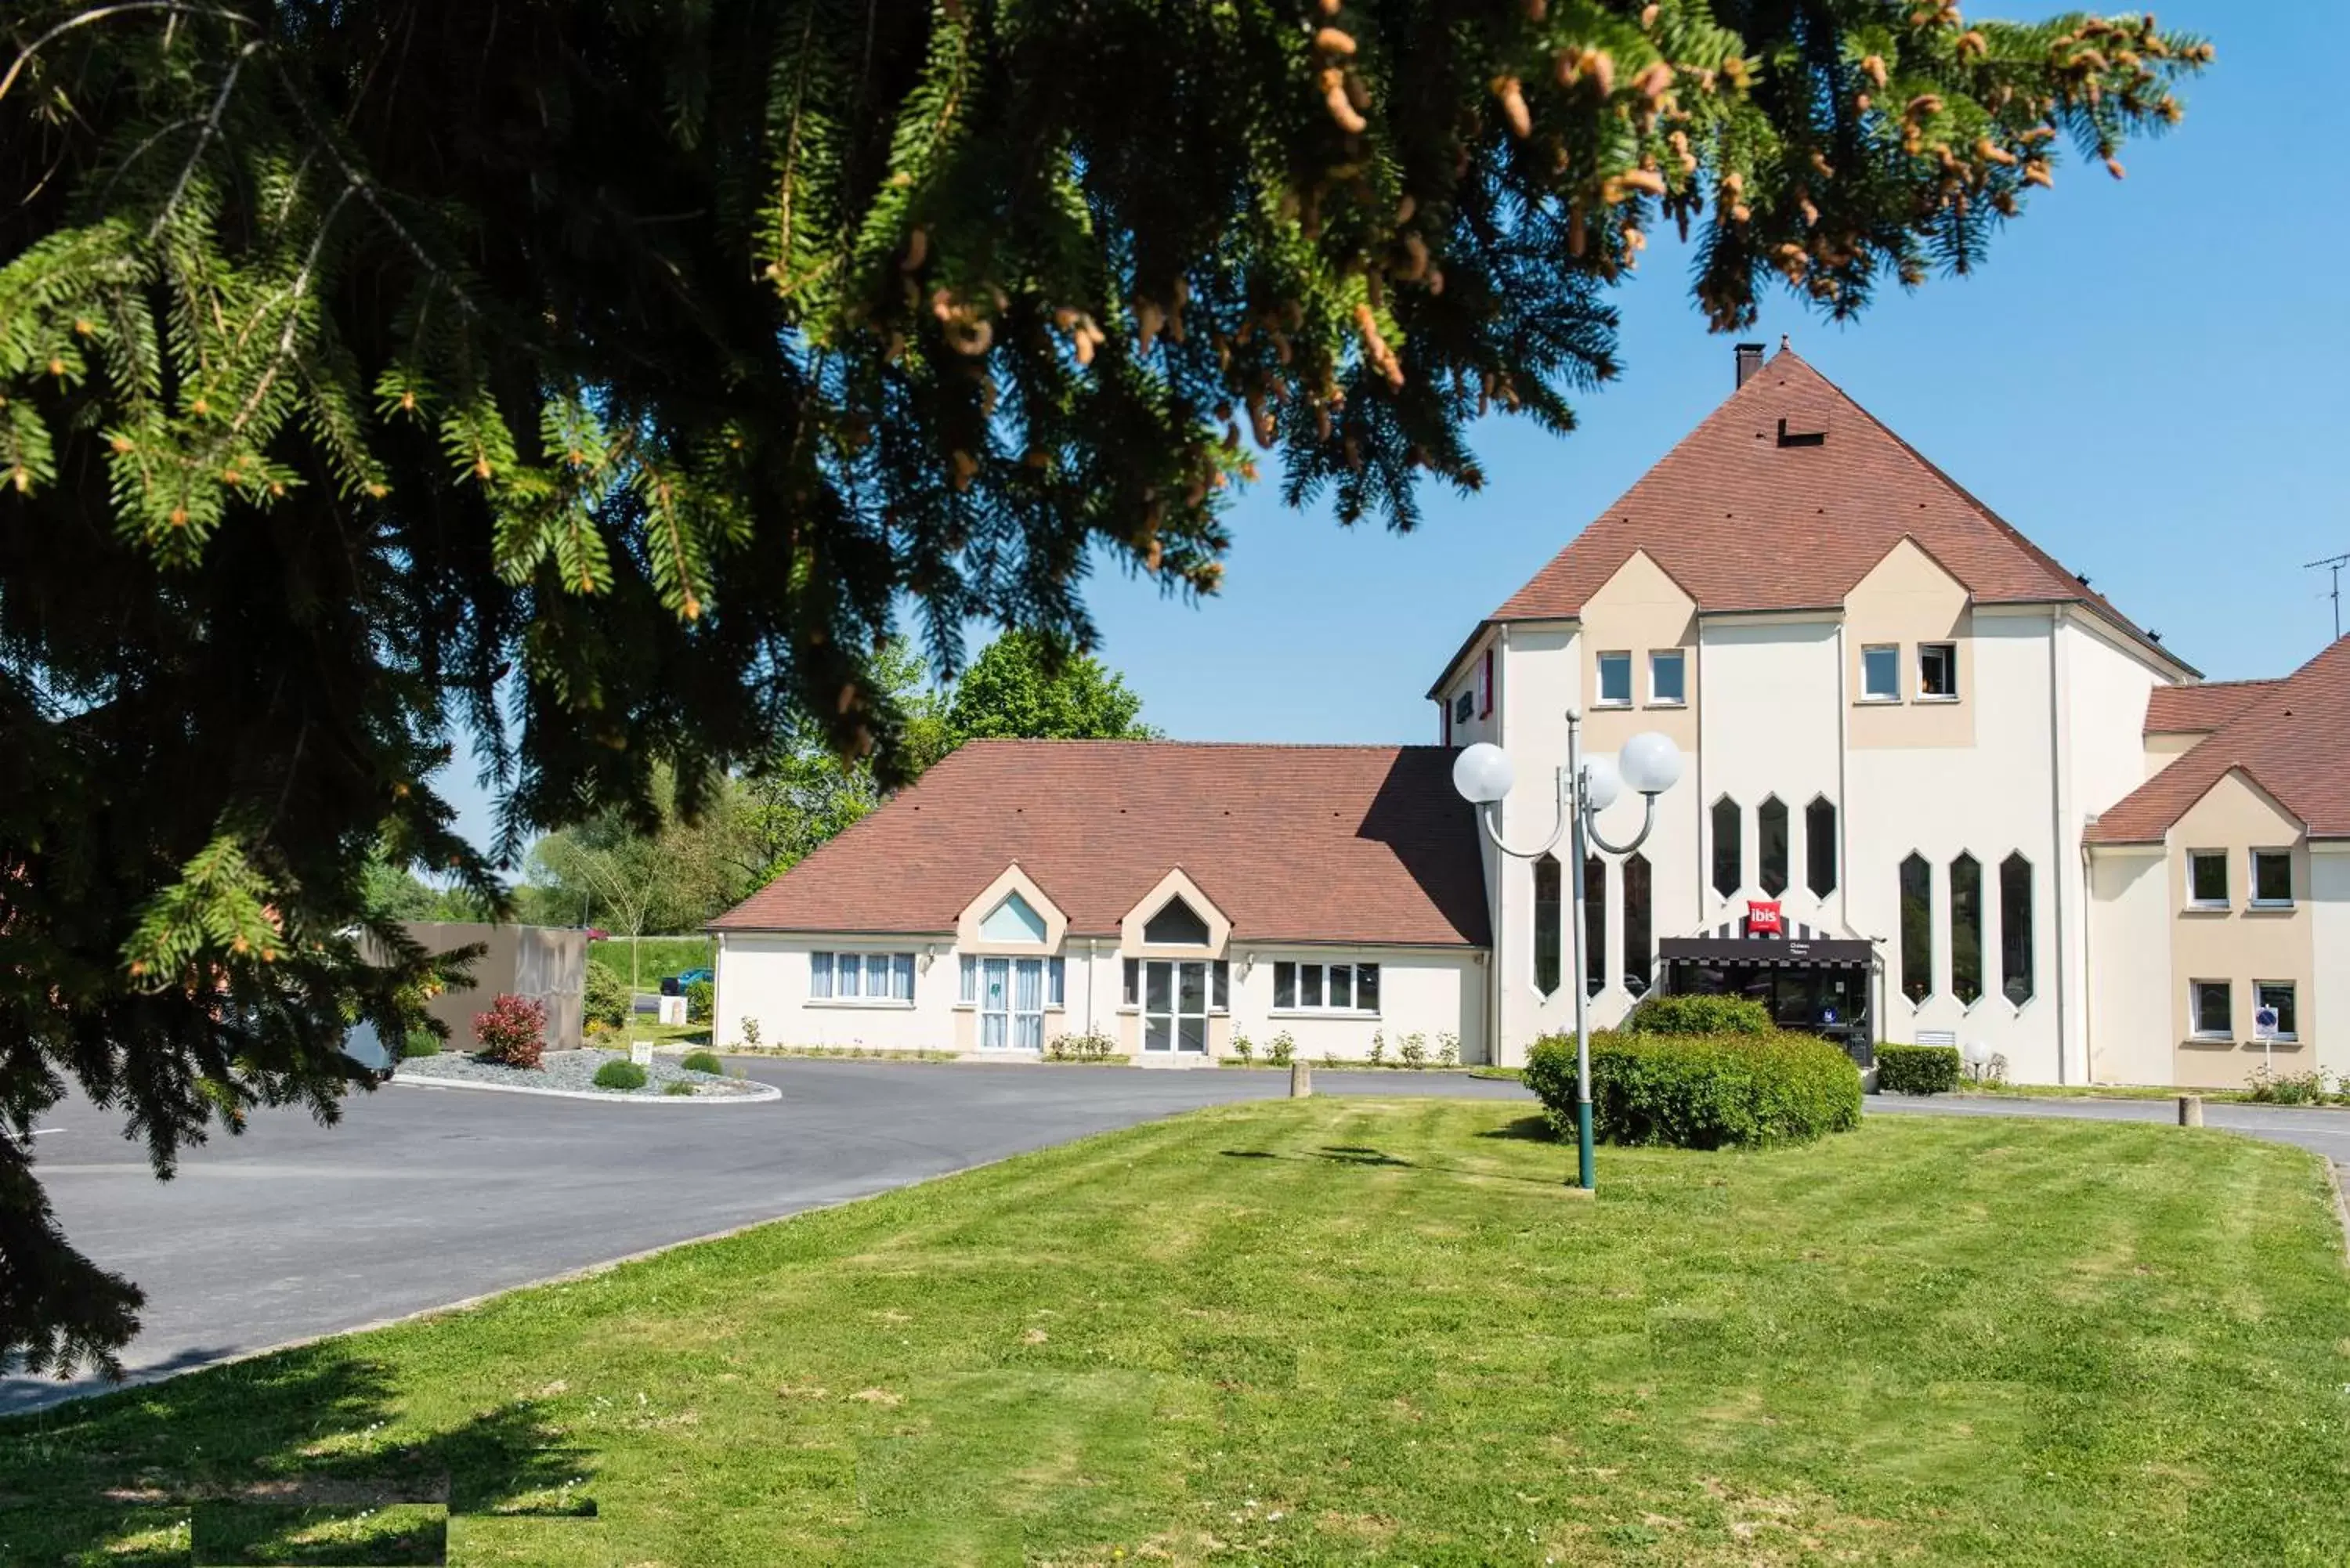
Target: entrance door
1175,1006
1011,1005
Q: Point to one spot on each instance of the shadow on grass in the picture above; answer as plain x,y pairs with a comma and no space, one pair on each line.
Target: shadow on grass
258,1456
1358,1155
1527,1129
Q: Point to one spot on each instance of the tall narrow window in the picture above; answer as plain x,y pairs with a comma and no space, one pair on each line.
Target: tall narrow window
1638,964
1546,924
1595,925
1771,844
1729,851
1916,929
2015,929
1820,847
1966,929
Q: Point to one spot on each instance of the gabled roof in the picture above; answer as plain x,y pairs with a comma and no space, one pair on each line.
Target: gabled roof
1365,845
2199,710
1750,511
2292,737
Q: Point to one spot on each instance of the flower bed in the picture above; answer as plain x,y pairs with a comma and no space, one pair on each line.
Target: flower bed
572,1072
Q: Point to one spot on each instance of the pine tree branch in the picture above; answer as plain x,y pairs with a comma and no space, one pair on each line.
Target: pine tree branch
179,7
203,140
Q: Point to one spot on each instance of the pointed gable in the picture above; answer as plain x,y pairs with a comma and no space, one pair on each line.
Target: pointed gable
2291,738
1784,498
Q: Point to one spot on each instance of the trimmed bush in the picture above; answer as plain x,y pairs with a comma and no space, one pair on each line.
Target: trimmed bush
514,1031
1700,1091
606,999
620,1076
702,1062
1917,1069
419,1043
1699,1015
699,998
677,1087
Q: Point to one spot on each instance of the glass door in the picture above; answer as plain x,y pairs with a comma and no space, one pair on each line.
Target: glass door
1011,1005
1175,1006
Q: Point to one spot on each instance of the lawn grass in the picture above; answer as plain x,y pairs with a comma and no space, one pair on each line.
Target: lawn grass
1327,1332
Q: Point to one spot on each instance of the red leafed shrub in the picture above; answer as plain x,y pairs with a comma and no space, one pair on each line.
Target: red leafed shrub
514,1031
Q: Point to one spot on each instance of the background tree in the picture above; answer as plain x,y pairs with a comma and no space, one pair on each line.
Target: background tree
1025,684
604,381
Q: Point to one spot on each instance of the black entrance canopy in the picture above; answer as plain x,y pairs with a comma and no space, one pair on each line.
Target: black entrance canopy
1801,948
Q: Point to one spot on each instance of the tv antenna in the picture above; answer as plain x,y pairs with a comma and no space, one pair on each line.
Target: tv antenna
2333,565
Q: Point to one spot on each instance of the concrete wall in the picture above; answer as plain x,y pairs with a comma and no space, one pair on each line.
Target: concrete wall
547,963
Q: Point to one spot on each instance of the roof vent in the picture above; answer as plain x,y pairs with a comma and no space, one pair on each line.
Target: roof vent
2152,635
1800,438
1749,360
2082,578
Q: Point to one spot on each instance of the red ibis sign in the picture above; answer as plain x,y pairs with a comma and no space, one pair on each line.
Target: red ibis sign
1762,919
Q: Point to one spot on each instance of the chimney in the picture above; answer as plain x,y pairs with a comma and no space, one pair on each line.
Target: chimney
1749,360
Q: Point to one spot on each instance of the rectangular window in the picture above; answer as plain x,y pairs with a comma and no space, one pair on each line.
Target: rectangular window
969,990
1133,981
2208,1002
1636,965
2276,996
1219,978
1464,707
1668,678
1548,902
1916,929
1880,672
1057,983
1938,669
1485,686
871,978
1324,987
1595,925
2206,878
2272,878
1615,681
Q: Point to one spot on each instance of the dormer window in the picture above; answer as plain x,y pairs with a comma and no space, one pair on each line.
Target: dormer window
1176,925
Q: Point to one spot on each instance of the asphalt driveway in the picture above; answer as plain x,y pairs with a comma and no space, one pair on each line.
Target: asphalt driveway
427,1197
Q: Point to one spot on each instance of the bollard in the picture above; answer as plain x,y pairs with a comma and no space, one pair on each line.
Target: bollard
1301,1080
2190,1110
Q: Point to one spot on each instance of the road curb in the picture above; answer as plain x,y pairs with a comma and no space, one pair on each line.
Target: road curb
760,1094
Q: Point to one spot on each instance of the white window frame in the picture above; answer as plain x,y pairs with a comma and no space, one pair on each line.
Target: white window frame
896,967
2195,901
1678,658
2195,1030
1867,694
2253,887
1174,1015
1950,652
1599,697
1321,1007
2292,992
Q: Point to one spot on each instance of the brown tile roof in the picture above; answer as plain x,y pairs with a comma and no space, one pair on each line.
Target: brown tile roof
1313,843
2199,710
1743,522
2292,738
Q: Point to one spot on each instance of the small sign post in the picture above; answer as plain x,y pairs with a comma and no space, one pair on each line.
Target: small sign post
2264,1030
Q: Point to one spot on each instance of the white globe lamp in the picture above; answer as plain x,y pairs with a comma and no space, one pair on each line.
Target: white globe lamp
1650,763
1601,783
1482,774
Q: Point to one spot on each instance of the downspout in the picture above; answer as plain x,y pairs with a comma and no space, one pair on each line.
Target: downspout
2057,618
1497,986
1843,788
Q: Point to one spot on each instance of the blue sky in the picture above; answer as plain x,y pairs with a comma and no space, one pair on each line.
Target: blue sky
2150,378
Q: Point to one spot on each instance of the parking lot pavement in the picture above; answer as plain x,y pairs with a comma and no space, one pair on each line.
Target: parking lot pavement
425,1196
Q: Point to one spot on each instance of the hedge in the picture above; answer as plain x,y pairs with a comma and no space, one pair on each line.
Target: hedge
1699,1015
1700,1091
1918,1069
607,997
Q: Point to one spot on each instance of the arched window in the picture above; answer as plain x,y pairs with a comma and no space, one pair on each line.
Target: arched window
1638,964
1771,844
1916,929
1728,848
1595,925
1176,925
2015,929
1547,905
1966,929
1820,847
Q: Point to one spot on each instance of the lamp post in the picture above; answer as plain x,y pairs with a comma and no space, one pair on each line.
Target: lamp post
1651,765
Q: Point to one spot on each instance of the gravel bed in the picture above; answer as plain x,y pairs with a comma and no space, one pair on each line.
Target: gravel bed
571,1070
